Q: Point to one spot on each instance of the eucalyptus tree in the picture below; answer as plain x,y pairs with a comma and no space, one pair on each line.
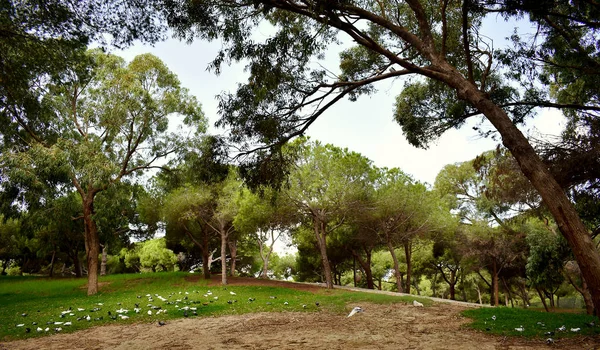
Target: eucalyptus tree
323,187
111,119
456,75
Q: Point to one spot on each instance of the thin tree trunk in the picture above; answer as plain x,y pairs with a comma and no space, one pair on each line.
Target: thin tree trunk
543,299
223,257
366,266
408,254
539,175
396,265
77,264
52,263
104,259
495,283
233,251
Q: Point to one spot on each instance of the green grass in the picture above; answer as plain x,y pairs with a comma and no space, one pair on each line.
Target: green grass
43,300
535,324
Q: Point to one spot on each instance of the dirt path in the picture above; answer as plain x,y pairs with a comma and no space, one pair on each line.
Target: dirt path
392,326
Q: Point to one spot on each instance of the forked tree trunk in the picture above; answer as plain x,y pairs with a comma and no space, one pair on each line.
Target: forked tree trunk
321,236
396,265
539,175
366,266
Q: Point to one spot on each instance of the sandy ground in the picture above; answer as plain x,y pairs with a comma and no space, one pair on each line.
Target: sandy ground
395,326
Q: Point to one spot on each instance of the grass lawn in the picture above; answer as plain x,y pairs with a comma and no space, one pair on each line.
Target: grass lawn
532,323
30,305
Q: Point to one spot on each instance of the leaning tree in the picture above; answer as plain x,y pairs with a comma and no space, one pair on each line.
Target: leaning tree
451,69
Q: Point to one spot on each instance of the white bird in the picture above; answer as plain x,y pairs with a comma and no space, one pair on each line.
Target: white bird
137,310
39,329
58,329
100,304
150,312
47,329
285,303
68,323
494,317
80,309
20,324
416,303
88,318
123,317
58,323
575,330
520,329
562,328
232,293
355,311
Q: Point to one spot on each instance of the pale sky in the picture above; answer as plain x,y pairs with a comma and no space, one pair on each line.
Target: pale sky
365,126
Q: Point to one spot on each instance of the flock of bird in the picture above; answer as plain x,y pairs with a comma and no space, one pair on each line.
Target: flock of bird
174,302
549,334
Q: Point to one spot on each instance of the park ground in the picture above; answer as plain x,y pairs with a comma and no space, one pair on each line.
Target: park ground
380,326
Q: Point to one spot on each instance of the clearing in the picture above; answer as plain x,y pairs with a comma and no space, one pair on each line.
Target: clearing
390,326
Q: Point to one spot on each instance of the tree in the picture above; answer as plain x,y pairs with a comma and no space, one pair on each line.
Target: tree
265,218
439,43
112,120
323,187
403,210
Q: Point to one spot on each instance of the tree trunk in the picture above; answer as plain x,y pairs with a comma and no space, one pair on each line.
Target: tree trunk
543,299
408,254
366,266
321,236
452,284
77,264
52,263
92,245
223,256
587,299
233,252
104,259
396,265
495,283
539,175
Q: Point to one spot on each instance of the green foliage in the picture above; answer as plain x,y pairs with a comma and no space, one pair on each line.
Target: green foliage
548,252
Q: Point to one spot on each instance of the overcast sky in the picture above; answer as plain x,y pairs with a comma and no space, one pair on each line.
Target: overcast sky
365,126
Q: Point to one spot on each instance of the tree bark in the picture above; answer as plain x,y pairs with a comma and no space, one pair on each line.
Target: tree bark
92,244
104,259
539,175
408,254
233,252
543,299
321,236
366,266
223,256
396,265
52,263
495,283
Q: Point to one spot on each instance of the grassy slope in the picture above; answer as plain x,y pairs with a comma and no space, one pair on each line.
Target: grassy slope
43,300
